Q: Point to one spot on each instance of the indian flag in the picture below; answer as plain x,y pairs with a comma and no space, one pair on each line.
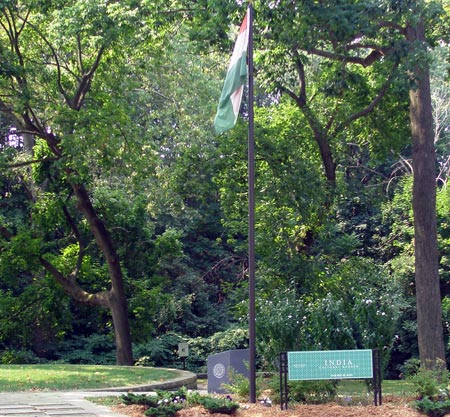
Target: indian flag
230,99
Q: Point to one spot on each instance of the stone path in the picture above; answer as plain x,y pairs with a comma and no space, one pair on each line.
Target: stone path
53,404
74,403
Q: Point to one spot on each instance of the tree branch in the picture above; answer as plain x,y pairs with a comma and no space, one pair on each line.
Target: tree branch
79,55
7,111
85,83
392,25
5,232
55,56
301,77
81,248
31,162
371,106
100,298
373,56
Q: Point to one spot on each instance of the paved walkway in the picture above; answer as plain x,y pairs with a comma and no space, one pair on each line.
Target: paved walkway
71,403
54,404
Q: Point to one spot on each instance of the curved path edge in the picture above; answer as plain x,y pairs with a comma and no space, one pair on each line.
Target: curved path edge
185,379
76,403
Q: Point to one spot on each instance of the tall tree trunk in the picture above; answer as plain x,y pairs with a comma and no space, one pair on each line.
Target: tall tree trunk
117,296
119,311
428,297
327,157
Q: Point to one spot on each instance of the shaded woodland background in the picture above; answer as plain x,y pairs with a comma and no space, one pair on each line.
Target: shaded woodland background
123,218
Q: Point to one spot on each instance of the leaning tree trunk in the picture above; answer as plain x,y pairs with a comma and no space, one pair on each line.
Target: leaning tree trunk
428,297
116,296
119,311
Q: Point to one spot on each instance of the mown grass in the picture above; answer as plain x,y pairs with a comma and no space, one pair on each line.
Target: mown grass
397,388
76,377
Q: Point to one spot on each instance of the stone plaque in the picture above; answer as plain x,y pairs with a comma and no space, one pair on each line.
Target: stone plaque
220,364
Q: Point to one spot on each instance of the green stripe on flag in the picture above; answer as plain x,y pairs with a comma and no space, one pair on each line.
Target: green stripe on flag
236,78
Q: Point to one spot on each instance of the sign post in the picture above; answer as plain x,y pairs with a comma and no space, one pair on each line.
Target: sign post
183,352
331,364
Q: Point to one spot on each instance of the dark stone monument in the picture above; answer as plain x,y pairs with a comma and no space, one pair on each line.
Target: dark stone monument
220,364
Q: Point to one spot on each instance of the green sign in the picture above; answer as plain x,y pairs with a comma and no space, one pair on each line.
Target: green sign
331,364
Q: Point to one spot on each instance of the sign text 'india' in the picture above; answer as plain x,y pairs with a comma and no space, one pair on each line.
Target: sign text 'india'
330,364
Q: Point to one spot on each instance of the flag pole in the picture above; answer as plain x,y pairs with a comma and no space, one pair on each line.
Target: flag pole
251,214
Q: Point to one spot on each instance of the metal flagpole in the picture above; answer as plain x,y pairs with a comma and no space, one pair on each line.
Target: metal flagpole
251,214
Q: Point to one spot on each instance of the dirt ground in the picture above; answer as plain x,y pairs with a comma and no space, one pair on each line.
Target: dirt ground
392,407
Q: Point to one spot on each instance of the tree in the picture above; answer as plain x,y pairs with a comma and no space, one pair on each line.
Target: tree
355,51
344,43
142,147
440,97
428,297
428,300
59,62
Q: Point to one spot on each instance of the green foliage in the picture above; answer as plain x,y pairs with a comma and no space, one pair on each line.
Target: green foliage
160,351
311,392
193,397
410,368
174,198
431,383
163,404
358,310
10,357
432,408
431,386
446,322
19,255
133,123
95,349
201,348
163,350
168,410
240,385
219,405
279,325
141,399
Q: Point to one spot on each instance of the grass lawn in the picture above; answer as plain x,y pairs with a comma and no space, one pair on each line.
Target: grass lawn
76,377
358,388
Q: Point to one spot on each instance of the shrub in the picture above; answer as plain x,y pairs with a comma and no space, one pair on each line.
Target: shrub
14,357
432,408
410,367
167,403
219,405
430,382
163,404
167,410
312,392
240,385
96,349
160,351
194,398
201,347
142,399
431,387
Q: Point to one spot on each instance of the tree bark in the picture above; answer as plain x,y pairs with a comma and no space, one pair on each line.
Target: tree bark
428,297
119,311
117,296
